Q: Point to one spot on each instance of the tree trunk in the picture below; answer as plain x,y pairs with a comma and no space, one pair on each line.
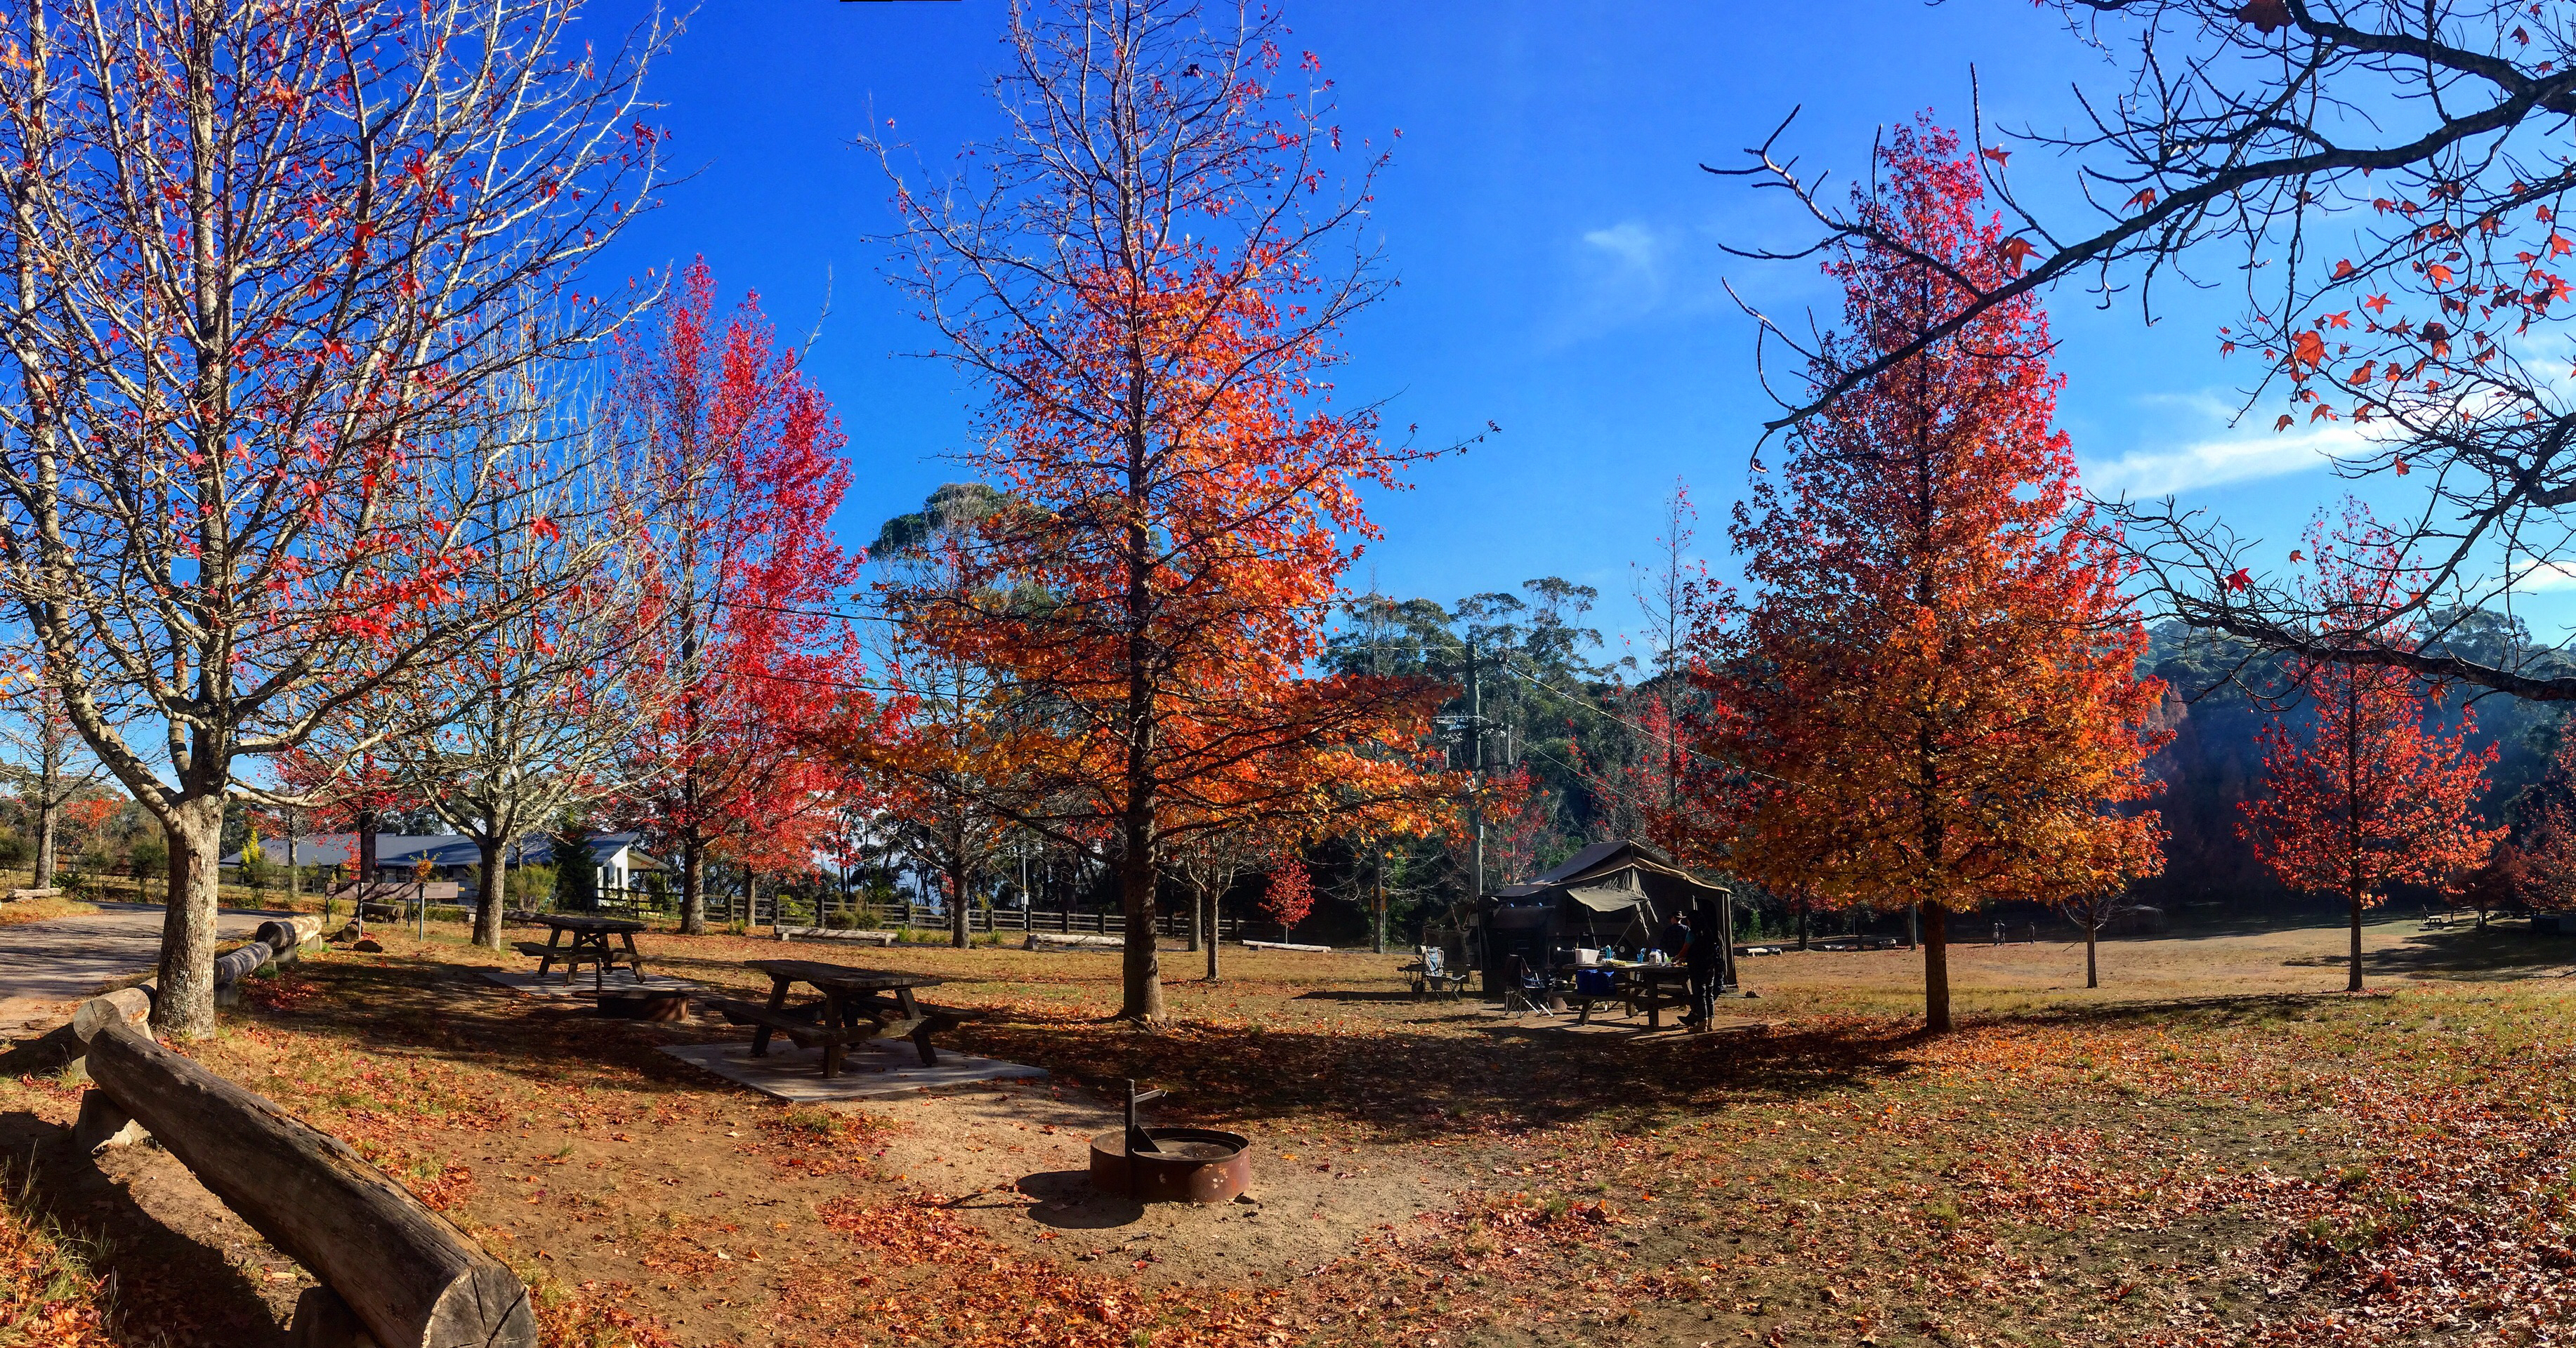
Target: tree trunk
294,886
958,934
46,815
1207,899
1198,913
1143,964
1803,942
693,889
1378,913
487,895
1936,968
2092,936
184,1005
2354,983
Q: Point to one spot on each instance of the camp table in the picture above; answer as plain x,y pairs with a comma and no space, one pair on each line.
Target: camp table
1640,986
590,945
881,997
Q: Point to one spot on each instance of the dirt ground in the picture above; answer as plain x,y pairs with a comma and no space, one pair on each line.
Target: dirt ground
2216,1147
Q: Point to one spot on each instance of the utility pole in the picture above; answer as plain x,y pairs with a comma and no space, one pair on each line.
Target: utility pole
1476,766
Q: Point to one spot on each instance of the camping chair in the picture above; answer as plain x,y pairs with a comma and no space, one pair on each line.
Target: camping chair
1431,974
1528,990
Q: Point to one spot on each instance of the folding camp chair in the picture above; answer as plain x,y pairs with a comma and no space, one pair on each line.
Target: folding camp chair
1527,990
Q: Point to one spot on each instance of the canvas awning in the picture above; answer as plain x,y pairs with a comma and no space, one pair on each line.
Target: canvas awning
1603,899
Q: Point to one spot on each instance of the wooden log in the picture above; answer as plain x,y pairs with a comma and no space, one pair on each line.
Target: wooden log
862,935
411,1277
291,935
1073,941
323,1320
125,1006
103,1124
241,963
17,894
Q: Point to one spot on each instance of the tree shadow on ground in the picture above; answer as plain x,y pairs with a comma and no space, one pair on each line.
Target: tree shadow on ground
1406,1075
2215,1012
2492,953
196,1295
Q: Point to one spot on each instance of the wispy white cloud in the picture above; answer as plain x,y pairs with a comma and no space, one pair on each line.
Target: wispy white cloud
2541,577
2242,454
1630,242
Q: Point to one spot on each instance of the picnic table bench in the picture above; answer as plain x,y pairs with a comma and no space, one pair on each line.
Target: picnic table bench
590,945
857,1005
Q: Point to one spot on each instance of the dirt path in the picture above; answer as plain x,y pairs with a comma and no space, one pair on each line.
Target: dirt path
46,966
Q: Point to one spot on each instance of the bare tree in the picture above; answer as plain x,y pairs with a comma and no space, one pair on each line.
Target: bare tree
268,268
54,767
2383,181
534,724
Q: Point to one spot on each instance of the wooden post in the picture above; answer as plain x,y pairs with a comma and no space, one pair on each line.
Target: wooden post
411,1278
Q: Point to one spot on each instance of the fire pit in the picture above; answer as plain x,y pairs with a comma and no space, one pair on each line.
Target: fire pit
663,1004
1170,1165
1190,1165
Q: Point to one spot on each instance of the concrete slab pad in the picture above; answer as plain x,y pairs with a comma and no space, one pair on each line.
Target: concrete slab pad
580,988
869,1072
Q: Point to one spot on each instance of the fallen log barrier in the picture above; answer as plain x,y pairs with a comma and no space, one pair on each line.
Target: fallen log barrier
14,895
402,1273
274,941
1283,945
1058,940
862,935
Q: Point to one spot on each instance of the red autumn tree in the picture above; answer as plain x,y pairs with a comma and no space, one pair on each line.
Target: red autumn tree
750,661
2377,793
1290,893
1933,699
1145,280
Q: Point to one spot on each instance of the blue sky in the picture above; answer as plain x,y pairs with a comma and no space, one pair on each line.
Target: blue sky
1558,249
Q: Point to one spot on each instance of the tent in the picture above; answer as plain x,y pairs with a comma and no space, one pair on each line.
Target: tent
1611,893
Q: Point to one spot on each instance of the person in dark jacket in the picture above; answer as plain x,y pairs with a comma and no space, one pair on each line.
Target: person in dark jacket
1675,937
1707,964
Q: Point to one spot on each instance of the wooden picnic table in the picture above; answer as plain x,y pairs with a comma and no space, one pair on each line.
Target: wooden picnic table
1640,986
590,945
880,997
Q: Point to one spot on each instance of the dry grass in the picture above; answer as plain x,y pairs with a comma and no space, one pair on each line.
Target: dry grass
2217,1147
49,1298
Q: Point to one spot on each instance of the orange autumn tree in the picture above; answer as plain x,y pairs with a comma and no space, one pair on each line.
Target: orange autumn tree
1932,700
2377,793
1148,273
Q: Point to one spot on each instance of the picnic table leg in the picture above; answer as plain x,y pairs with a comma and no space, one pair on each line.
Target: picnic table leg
920,1036
634,957
599,967
836,1016
777,1002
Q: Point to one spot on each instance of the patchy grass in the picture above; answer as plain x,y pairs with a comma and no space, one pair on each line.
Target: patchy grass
2215,1149
42,910
49,1298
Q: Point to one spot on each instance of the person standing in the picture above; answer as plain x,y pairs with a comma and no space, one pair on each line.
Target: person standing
1705,961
